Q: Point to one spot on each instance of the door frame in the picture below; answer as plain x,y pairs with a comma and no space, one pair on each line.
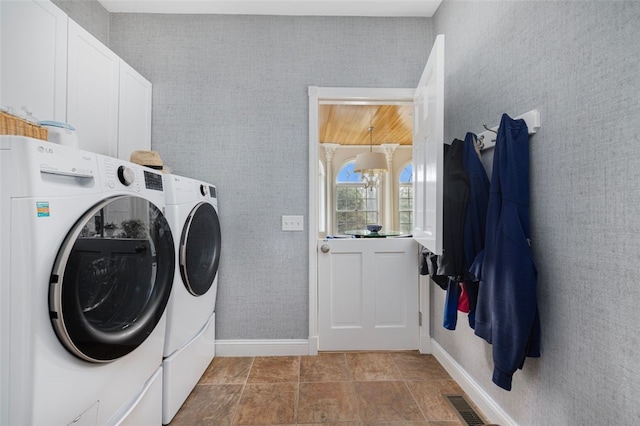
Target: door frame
334,95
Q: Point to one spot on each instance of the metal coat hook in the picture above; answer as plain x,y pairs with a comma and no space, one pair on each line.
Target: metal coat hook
481,142
487,128
478,144
531,118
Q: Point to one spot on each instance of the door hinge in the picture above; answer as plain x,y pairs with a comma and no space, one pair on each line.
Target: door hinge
419,319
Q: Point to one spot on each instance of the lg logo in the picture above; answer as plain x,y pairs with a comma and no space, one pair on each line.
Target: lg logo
45,150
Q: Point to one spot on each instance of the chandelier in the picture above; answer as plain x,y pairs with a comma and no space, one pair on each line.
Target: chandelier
371,165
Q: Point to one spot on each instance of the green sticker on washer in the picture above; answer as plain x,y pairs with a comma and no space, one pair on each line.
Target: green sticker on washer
42,208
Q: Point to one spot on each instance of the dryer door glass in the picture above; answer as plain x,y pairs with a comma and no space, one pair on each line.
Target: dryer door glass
112,279
200,249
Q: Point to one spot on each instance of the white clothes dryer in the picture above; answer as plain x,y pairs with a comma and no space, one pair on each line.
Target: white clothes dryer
89,272
192,211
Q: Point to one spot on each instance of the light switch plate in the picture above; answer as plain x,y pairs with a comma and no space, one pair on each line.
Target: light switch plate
292,223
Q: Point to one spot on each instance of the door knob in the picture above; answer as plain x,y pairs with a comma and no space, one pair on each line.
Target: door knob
325,248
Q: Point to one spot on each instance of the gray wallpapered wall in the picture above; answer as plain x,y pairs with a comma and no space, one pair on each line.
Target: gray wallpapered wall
578,63
225,88
230,106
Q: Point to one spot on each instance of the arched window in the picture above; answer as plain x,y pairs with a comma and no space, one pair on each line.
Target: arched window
405,199
356,206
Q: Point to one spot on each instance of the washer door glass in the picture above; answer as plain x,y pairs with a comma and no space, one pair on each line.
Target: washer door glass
112,279
200,249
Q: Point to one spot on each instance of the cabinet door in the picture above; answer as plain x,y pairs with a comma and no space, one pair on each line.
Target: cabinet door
92,92
134,122
428,151
33,71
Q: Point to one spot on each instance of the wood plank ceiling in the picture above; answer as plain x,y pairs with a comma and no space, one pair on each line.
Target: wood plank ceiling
348,124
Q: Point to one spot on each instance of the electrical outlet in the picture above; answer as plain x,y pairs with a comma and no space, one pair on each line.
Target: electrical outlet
293,223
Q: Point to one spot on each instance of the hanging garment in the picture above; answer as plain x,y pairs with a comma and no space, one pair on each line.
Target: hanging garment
463,299
471,288
457,299
476,220
429,266
473,235
455,190
450,317
507,309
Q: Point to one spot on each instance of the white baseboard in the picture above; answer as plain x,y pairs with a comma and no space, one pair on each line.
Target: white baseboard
474,391
275,347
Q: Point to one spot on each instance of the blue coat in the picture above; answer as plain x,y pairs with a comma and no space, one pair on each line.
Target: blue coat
507,310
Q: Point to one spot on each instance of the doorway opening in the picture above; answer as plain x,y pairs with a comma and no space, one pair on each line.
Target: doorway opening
324,101
346,131
427,158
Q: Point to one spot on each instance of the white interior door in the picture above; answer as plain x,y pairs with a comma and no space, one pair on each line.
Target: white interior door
368,294
428,151
363,294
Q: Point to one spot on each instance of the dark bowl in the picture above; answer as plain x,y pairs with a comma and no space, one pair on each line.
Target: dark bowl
374,228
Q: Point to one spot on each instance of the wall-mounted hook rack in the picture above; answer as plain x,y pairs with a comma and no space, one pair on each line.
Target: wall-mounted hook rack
487,139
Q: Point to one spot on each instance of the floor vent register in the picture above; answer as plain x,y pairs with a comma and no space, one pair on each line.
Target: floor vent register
465,410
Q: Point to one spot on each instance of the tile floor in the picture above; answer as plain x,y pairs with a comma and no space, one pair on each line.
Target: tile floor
353,388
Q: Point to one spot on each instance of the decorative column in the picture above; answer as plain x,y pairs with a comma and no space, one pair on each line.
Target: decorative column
389,198
329,150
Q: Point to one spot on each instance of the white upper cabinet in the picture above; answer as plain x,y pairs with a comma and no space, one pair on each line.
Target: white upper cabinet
61,72
134,123
92,91
33,72
428,151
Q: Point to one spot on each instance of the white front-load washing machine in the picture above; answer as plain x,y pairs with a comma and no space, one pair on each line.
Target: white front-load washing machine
192,211
90,267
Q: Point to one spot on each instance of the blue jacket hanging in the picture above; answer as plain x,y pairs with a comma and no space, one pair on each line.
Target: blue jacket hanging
507,309
476,221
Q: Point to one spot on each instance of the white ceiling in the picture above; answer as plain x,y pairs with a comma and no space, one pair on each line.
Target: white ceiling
424,8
